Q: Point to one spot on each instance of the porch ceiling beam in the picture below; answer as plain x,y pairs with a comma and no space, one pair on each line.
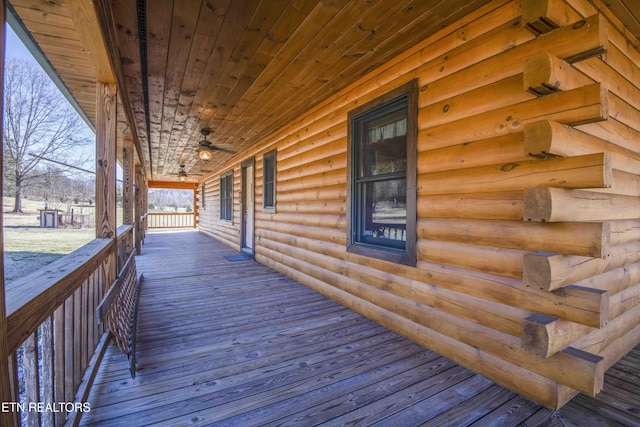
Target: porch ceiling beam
173,185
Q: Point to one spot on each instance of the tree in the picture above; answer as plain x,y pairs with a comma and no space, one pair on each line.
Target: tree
38,123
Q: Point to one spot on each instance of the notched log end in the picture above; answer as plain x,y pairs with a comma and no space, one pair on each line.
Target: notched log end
597,367
537,204
595,301
537,138
535,334
537,270
601,27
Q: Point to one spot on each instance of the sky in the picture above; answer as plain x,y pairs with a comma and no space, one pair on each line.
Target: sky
14,46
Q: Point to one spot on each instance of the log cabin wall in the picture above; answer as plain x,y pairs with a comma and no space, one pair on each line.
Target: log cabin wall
528,198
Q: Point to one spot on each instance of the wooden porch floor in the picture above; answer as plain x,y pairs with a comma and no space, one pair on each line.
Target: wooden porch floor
237,344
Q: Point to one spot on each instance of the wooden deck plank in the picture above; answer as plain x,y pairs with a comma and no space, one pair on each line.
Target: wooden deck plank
235,343
422,401
472,409
367,394
200,372
273,390
509,413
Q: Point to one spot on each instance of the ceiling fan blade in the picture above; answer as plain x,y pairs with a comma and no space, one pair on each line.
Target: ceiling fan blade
226,150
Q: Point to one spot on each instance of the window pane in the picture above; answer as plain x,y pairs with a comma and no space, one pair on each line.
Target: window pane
226,197
383,215
229,197
223,198
384,144
268,195
382,169
269,178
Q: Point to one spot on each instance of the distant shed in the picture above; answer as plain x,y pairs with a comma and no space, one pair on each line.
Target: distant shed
49,218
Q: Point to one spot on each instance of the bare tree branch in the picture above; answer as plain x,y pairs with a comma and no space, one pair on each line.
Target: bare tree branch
38,120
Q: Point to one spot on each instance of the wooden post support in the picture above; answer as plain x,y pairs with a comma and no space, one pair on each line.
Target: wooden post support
106,146
106,160
6,418
127,180
145,206
138,208
195,206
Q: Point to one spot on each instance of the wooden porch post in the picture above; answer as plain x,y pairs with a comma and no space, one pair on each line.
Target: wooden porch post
106,123
6,418
127,180
196,192
145,206
138,208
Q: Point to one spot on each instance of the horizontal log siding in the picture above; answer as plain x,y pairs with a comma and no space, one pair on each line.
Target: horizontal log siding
484,271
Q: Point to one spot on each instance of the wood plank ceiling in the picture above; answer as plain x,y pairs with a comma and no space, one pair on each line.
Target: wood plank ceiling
241,69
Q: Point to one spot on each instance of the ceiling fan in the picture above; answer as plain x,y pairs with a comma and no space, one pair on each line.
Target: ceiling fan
205,148
183,175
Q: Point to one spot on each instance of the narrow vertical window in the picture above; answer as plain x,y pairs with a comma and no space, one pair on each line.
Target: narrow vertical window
383,177
202,197
269,182
226,197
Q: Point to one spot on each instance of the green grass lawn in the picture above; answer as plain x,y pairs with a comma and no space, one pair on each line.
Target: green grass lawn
27,247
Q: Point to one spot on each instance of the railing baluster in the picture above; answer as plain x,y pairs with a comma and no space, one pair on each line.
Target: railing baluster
31,378
84,340
91,343
77,331
68,350
97,297
171,220
59,353
15,384
46,373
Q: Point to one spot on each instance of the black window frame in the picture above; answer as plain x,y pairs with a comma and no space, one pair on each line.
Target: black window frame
226,197
407,93
269,182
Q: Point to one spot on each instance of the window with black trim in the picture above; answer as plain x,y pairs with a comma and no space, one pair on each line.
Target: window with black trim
382,176
226,196
269,182
202,197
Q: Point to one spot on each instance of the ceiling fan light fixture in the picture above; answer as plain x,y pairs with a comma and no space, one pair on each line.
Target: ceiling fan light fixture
182,174
205,151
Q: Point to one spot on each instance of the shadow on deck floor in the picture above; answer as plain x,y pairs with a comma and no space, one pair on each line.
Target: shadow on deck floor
235,343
